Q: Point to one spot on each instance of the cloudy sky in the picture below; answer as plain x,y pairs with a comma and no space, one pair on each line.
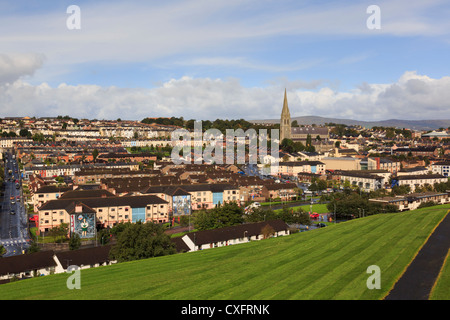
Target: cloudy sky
209,59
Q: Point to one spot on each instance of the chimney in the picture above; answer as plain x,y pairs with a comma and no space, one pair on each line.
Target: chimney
78,208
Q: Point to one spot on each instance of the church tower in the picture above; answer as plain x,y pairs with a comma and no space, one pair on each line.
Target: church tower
285,121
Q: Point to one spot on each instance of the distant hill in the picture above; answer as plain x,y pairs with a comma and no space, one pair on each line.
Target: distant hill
396,123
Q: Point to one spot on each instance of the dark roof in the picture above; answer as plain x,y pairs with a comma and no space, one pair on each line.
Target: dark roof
309,130
53,188
235,232
169,189
71,209
180,245
132,201
89,256
300,163
27,262
419,168
419,177
76,194
360,174
279,186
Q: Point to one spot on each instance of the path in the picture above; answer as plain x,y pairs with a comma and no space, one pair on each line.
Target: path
420,276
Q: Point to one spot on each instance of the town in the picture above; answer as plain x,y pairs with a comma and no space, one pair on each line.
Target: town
65,178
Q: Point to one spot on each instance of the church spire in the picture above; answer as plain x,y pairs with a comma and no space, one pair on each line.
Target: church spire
285,110
285,121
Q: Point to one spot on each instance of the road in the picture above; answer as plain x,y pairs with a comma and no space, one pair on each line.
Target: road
13,227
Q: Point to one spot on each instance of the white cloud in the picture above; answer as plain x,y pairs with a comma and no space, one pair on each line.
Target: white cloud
413,96
15,66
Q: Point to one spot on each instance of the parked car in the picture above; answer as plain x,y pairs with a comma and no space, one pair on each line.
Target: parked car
12,212
314,215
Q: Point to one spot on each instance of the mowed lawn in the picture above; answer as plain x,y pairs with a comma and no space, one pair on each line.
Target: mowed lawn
327,263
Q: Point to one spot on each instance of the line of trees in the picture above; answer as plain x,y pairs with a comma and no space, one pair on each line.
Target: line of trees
230,214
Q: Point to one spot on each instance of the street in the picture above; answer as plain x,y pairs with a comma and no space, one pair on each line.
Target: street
13,217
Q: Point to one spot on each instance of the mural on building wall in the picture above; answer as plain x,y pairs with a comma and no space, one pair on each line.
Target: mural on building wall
181,205
83,224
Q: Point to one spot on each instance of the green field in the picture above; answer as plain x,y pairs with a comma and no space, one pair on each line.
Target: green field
327,263
442,289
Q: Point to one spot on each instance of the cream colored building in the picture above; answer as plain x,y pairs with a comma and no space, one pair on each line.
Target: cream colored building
341,163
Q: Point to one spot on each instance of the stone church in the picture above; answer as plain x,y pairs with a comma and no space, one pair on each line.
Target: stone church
319,135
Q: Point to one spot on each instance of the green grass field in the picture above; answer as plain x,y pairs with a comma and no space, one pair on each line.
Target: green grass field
322,264
441,291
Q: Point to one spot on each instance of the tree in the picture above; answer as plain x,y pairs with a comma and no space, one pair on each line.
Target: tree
140,241
33,247
287,145
228,214
291,216
267,231
24,133
95,154
60,232
74,242
260,214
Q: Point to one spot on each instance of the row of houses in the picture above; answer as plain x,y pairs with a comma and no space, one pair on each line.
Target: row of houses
44,263
413,200
72,170
106,210
372,180
54,205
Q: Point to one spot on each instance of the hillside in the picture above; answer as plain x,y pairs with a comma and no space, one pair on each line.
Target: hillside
328,263
396,123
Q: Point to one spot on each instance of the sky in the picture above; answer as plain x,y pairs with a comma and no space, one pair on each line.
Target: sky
233,59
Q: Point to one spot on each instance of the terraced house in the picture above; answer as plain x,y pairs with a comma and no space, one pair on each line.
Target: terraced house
414,200
293,168
367,180
442,168
109,210
202,196
415,181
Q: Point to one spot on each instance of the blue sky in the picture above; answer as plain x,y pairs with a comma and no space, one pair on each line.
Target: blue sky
231,59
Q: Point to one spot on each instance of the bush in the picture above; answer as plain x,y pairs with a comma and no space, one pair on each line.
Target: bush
427,204
141,241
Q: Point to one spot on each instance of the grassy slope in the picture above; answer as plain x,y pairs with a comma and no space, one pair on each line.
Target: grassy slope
328,263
